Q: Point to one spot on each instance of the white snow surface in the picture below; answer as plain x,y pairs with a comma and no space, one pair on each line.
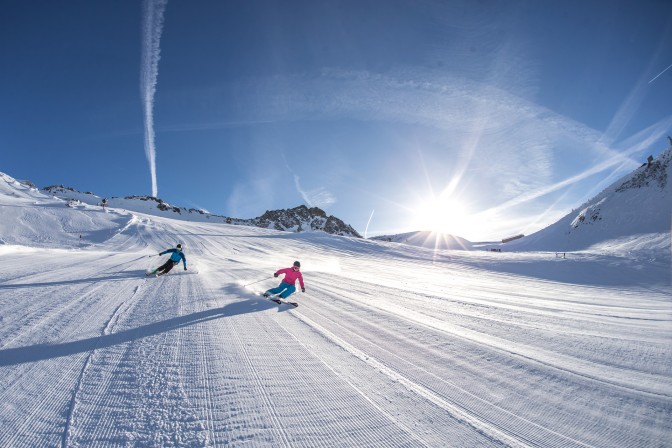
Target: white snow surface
391,345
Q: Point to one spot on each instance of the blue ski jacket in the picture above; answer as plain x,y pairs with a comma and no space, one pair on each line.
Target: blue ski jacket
176,256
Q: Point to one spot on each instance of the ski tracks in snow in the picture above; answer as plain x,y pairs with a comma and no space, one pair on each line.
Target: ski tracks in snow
53,340
494,432
437,364
195,361
133,390
109,326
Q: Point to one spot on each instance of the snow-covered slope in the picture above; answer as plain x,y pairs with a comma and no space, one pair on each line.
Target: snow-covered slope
633,210
391,345
30,218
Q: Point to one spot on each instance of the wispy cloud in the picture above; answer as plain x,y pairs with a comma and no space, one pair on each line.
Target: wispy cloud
318,197
483,125
481,120
152,26
506,149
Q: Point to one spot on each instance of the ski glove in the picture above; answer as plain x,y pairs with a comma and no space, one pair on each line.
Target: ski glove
275,275
303,289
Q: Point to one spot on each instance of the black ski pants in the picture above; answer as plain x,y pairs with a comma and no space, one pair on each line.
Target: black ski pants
166,267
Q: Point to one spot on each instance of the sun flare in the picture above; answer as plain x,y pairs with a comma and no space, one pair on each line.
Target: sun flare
443,215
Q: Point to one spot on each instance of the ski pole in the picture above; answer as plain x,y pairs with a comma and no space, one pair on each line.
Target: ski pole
259,281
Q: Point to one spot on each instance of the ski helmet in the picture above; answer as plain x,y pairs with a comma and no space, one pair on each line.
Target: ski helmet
297,264
179,246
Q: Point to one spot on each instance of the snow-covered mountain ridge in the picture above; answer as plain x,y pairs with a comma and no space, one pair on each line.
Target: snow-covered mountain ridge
652,172
637,207
298,219
634,206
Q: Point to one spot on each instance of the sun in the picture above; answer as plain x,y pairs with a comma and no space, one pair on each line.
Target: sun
442,215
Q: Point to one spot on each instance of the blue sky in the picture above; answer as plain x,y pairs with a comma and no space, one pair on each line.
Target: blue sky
480,118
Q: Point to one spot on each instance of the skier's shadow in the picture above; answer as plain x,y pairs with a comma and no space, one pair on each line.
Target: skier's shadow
238,290
41,352
125,275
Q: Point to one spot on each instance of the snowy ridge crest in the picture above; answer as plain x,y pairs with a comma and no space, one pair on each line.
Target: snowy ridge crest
654,172
298,219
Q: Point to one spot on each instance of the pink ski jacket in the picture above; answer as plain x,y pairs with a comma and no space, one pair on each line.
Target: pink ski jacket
291,276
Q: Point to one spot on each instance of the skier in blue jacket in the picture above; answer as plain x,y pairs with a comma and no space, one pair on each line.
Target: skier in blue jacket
175,257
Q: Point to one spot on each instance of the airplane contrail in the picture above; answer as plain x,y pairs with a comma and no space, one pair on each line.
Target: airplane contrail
366,231
656,77
152,25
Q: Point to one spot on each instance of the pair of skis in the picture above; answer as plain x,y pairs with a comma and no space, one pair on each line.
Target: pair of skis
280,301
151,272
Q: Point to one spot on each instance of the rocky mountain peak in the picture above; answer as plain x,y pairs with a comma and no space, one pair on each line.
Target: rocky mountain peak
653,172
302,218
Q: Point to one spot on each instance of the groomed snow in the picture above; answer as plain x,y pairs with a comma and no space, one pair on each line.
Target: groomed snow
391,345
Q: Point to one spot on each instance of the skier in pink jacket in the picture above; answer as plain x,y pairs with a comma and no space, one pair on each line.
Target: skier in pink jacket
286,287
